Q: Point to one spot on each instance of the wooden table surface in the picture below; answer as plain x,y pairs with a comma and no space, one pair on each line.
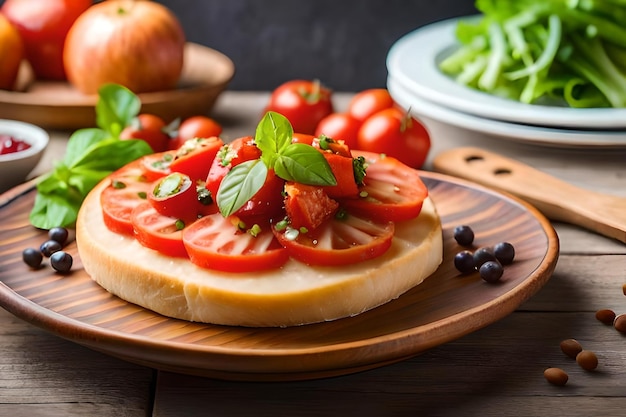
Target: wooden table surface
496,371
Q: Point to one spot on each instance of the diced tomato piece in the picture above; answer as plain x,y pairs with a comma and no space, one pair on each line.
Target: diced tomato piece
302,138
232,154
127,189
343,171
156,231
342,240
308,206
195,156
266,204
214,242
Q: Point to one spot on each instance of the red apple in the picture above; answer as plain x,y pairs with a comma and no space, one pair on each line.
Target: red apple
43,25
11,53
138,44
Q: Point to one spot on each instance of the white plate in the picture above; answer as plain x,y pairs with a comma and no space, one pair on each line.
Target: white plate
430,112
413,60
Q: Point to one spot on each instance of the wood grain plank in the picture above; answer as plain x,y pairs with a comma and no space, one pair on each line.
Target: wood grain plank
583,284
491,372
43,375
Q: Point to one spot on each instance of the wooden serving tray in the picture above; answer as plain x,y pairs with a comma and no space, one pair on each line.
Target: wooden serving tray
445,307
58,105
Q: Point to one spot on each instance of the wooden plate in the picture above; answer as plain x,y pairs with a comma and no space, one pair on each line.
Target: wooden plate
57,105
445,307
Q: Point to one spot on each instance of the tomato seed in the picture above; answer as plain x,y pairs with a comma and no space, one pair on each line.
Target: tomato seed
606,316
556,376
587,360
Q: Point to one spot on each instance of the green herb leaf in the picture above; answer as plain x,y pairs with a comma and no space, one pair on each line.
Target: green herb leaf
111,154
80,141
240,185
273,135
51,211
91,155
304,164
116,108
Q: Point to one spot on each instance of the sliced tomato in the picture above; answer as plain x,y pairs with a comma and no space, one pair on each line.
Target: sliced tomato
157,165
195,156
342,240
214,242
156,231
127,189
308,206
391,191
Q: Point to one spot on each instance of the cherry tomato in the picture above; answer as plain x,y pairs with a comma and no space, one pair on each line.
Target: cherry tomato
214,242
340,126
43,26
393,132
156,231
391,191
199,127
342,240
175,195
304,103
150,128
128,188
194,158
368,102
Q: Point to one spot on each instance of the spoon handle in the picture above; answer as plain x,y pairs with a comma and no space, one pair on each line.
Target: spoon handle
556,199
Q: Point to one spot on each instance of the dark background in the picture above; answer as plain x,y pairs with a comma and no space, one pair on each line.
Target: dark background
343,43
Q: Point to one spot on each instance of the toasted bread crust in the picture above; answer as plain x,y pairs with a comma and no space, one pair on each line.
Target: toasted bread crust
295,294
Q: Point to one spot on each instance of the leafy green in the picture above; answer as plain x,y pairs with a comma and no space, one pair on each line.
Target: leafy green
91,155
566,52
290,161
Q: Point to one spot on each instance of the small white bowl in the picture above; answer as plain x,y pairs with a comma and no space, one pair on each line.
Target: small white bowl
15,166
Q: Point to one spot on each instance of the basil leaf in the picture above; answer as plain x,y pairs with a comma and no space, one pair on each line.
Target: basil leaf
240,185
52,211
80,141
273,135
304,164
116,108
111,154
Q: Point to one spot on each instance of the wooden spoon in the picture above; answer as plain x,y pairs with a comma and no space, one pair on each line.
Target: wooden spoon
556,199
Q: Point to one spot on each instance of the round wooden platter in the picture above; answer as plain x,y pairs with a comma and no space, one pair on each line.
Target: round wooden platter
58,105
446,306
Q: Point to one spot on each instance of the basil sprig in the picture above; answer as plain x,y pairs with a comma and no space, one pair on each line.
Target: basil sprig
296,162
90,156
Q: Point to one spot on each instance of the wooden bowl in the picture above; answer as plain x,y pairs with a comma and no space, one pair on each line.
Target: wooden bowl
58,105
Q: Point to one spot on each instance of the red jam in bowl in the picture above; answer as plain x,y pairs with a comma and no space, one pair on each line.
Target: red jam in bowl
9,144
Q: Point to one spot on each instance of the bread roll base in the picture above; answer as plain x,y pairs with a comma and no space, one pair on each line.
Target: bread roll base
295,294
